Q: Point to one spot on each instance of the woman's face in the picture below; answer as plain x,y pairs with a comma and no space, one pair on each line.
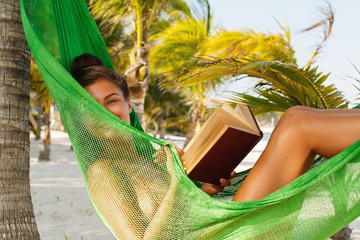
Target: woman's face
110,97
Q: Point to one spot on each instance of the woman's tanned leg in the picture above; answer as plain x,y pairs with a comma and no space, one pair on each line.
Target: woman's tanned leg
299,136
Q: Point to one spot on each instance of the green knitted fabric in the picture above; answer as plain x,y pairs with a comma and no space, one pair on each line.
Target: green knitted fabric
136,183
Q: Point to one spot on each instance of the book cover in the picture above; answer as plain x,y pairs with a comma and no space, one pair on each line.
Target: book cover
221,144
224,156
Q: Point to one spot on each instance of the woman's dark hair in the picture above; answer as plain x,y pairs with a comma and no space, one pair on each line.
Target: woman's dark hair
87,69
83,61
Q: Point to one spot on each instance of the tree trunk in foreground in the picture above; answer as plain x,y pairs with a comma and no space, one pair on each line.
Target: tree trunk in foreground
17,219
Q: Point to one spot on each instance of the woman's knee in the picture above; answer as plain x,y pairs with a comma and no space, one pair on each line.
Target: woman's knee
295,109
99,169
296,122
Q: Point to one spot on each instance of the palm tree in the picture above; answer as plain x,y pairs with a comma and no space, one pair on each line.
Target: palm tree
174,47
16,210
43,98
185,43
281,84
142,15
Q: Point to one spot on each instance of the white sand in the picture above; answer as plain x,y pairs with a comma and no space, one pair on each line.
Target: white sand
60,201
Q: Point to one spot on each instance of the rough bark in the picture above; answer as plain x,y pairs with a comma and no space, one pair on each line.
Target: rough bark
17,219
138,75
138,78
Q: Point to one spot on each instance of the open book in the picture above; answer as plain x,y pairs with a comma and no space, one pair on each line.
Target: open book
221,144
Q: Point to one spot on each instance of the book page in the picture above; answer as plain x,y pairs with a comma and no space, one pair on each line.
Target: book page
200,137
204,148
246,112
238,119
230,110
243,112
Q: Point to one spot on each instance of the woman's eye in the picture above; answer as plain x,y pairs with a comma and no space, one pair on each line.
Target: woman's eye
110,101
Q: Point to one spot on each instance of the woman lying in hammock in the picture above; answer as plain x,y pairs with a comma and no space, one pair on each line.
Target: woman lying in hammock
301,133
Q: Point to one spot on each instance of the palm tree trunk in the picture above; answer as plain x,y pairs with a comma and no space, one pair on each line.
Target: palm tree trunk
191,131
17,219
44,154
39,119
162,131
138,79
138,75
194,123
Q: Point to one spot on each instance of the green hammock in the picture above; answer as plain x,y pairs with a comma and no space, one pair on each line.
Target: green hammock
138,195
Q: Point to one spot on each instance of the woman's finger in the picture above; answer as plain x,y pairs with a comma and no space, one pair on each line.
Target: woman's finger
224,182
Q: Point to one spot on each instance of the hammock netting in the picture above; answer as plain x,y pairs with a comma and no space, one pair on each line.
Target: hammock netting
136,183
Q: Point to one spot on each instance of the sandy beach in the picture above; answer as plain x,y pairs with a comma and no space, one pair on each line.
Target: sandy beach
60,201
58,191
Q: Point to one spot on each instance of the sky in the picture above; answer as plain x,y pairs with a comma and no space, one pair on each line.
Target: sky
340,52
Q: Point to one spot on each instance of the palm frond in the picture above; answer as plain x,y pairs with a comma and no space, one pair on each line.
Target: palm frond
259,105
114,11
297,86
111,11
357,80
326,23
286,30
229,44
178,6
176,46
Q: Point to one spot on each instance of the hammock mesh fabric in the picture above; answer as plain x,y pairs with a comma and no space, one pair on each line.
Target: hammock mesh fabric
136,183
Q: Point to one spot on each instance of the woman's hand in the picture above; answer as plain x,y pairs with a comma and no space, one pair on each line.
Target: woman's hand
213,189
209,188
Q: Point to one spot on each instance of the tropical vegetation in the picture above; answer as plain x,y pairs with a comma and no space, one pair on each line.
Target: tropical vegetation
281,82
169,47
188,40
280,85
